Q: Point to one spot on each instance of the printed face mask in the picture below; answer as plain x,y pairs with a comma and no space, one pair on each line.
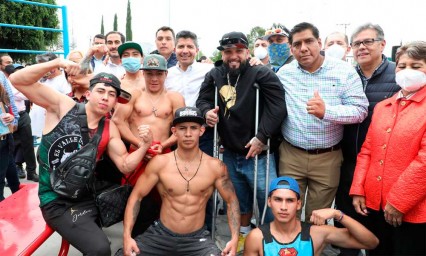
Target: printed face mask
335,51
131,64
260,52
278,55
410,80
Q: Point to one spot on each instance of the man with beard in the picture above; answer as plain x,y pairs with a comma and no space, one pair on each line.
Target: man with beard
113,61
236,115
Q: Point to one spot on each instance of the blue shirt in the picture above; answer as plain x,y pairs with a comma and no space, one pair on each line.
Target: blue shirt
340,87
6,84
301,245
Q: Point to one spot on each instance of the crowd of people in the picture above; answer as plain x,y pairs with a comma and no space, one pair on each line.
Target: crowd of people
300,128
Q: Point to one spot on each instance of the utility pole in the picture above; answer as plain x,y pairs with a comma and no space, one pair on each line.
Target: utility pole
345,25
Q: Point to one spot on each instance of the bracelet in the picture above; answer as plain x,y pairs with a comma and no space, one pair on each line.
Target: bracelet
139,144
341,216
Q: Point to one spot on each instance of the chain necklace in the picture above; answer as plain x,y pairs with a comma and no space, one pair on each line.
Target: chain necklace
177,166
153,103
188,163
236,82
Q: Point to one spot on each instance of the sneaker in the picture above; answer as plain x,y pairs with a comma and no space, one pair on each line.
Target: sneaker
241,241
32,176
21,173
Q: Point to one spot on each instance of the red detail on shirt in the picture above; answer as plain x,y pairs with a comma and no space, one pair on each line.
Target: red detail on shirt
287,251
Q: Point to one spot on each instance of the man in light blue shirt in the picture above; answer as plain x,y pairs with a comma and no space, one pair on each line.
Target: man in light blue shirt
322,94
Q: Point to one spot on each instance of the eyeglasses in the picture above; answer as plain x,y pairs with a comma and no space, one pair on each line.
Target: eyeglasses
365,42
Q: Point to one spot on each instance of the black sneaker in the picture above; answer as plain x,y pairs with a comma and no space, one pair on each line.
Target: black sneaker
32,176
21,173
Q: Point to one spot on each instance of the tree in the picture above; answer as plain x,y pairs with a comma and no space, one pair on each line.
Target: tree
254,34
26,39
129,22
102,26
115,27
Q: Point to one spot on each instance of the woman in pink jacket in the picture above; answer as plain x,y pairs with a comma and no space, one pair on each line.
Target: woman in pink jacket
389,185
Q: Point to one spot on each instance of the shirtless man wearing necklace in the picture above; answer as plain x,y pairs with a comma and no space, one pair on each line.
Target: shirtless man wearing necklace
185,179
154,107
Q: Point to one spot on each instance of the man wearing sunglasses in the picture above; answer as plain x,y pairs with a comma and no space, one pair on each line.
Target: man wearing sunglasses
378,79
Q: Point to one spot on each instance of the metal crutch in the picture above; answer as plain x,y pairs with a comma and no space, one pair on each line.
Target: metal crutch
256,127
256,160
216,155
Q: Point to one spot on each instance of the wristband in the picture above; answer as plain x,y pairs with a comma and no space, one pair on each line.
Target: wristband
341,216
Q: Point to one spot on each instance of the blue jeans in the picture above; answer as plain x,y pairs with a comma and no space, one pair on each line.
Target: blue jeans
241,172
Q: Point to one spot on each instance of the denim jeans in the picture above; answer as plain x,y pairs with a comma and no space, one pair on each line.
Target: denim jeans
241,172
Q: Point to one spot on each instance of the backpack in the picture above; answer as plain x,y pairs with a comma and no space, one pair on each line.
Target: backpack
74,177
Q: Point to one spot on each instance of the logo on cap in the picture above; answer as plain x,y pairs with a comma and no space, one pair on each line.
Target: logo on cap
188,112
153,63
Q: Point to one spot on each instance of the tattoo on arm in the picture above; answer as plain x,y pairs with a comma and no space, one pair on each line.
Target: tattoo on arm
136,209
85,64
226,181
234,218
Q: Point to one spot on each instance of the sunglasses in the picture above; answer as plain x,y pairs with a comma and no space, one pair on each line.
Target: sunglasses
232,41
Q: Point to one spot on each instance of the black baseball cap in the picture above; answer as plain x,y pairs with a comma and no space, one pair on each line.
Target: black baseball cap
109,79
233,39
188,114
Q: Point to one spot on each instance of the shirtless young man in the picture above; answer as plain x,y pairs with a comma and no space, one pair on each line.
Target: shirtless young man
286,235
154,107
185,179
62,134
131,55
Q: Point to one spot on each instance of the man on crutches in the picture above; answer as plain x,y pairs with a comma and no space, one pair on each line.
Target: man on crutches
235,115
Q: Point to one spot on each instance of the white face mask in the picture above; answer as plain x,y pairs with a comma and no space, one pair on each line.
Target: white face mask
410,80
335,51
260,52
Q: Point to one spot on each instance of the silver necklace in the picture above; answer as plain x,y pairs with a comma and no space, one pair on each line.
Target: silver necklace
187,181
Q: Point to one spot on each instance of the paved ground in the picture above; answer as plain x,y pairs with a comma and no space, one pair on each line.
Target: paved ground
114,233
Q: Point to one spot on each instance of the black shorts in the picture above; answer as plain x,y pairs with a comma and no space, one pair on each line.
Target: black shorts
159,240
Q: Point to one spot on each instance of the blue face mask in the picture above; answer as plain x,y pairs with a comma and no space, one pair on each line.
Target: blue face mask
131,64
278,55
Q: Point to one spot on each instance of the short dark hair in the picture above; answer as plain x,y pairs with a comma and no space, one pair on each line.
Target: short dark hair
187,34
3,55
302,27
166,28
415,50
100,36
45,57
122,37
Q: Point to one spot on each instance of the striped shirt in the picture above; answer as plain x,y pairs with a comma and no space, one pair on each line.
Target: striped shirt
340,87
7,85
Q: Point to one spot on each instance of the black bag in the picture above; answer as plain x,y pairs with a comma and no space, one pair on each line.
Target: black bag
73,178
111,204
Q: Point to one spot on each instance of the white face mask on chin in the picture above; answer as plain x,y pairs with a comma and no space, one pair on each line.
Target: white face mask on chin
410,80
335,51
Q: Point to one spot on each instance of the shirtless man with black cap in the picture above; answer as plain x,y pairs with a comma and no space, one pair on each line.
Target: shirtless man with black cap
185,179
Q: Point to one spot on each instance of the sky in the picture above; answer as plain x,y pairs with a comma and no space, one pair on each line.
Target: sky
402,21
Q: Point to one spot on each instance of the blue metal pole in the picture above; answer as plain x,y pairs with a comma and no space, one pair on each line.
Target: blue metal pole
34,3
27,51
65,31
29,27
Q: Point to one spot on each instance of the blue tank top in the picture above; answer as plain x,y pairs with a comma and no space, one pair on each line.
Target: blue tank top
302,245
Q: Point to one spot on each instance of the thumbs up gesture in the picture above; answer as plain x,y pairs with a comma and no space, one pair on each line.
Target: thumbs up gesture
211,117
316,106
